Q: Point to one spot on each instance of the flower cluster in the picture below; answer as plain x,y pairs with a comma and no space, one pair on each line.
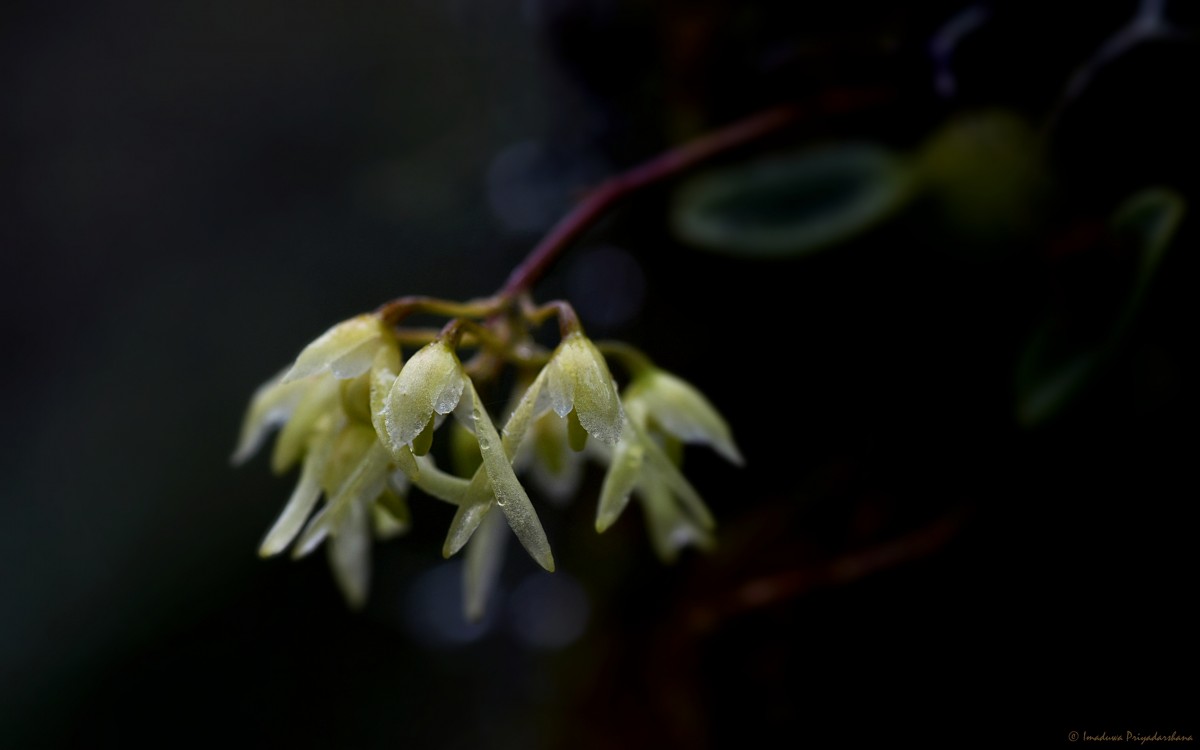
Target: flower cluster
361,421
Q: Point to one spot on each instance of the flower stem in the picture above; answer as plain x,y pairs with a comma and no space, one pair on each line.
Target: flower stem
398,309
667,166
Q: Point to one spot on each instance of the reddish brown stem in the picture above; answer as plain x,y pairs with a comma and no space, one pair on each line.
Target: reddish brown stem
669,165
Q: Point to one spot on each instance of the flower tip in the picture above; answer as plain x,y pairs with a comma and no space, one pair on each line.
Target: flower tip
271,547
730,453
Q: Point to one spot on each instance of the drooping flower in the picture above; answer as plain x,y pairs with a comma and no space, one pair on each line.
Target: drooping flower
675,407
429,386
326,404
662,410
578,386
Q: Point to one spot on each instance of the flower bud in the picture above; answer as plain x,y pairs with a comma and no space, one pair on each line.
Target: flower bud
578,378
430,383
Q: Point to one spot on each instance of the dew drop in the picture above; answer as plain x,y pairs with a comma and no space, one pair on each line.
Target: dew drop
484,443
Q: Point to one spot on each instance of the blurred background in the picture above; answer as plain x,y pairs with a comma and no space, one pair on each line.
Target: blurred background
945,315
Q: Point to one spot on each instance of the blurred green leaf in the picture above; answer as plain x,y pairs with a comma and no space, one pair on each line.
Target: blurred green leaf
792,204
1148,221
1058,363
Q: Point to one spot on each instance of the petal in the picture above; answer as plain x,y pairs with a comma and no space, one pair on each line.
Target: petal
318,400
304,497
660,467
578,362
670,530
358,469
270,407
383,376
623,474
554,468
347,349
485,557
477,502
523,415
350,555
431,382
509,493
365,482
314,533
479,497
680,409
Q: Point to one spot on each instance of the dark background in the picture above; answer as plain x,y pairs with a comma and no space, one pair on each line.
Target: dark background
194,190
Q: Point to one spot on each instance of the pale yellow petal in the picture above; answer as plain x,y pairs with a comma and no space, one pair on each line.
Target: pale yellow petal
304,497
347,348
660,466
484,559
318,401
680,409
270,407
349,552
623,474
509,493
669,528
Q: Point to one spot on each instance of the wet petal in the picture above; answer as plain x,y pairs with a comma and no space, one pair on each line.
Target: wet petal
479,497
509,493
431,382
384,371
347,349
477,502
579,378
